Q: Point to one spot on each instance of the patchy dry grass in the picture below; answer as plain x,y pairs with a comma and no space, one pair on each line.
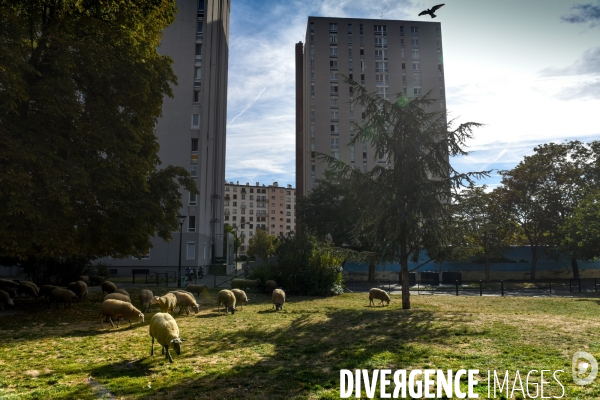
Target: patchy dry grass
297,353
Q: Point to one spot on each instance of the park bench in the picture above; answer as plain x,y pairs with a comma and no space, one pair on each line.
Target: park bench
135,272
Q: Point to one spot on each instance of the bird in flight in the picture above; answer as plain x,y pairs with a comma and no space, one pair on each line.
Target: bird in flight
431,11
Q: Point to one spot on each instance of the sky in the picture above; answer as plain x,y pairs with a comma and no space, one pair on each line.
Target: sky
529,70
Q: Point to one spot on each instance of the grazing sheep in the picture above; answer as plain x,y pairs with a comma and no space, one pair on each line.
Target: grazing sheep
11,292
270,286
114,309
185,300
28,283
240,297
238,283
378,294
79,288
197,289
45,291
108,287
27,290
278,298
117,296
5,299
227,298
146,297
122,291
62,296
85,278
8,284
167,303
164,329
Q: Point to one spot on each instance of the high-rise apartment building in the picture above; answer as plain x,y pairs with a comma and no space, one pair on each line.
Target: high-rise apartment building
191,131
270,208
388,57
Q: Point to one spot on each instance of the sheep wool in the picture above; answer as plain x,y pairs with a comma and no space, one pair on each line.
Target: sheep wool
278,298
45,291
270,286
117,296
62,296
113,309
108,287
79,288
185,300
240,297
378,294
227,298
166,303
164,329
5,299
8,283
196,289
238,283
122,291
27,290
146,297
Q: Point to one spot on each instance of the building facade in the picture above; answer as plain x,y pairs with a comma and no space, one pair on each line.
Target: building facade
389,57
270,208
191,131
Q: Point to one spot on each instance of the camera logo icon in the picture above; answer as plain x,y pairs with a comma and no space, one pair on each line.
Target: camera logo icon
580,367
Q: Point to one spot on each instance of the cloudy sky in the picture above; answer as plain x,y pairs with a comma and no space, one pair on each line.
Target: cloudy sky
529,70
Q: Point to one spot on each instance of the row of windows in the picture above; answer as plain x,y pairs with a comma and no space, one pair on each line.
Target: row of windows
377,29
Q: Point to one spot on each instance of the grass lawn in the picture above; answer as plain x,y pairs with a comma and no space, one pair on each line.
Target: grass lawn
296,353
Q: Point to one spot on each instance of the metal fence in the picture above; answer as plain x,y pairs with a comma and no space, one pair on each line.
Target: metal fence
220,280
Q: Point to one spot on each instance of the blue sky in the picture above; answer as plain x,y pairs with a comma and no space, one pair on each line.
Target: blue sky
528,70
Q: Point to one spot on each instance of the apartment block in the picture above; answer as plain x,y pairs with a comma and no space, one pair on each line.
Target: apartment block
387,57
271,208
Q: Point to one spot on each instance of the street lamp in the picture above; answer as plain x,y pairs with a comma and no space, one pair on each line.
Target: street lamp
181,219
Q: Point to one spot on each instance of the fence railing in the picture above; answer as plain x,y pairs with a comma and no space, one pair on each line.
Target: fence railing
225,279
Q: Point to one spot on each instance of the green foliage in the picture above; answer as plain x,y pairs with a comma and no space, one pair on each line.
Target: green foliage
55,271
262,244
581,229
82,89
236,240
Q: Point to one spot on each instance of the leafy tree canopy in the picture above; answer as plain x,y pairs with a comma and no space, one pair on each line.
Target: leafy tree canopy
81,89
262,244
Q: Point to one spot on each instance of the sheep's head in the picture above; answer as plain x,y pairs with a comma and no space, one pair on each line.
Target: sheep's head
177,345
232,310
278,306
141,316
196,308
154,300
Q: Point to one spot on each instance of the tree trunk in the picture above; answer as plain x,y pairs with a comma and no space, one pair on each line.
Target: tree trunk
575,267
371,272
487,269
405,277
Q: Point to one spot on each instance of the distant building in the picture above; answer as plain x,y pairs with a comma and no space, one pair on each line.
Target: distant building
191,131
248,208
388,57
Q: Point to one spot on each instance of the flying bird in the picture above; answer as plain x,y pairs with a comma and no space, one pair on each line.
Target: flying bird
431,11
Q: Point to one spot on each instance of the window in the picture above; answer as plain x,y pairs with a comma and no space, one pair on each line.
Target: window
333,76
383,92
190,253
349,28
415,54
360,28
380,29
193,199
195,121
194,145
332,27
381,80
416,67
199,30
401,31
334,115
197,75
349,39
333,52
381,67
196,96
334,102
380,41
334,89
414,31
417,80
198,52
335,129
335,144
381,54
194,170
417,91
192,223
333,64
350,53
332,38
350,67
414,42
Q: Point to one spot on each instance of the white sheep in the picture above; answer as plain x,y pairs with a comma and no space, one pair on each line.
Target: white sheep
167,303
5,299
185,300
79,288
117,296
378,294
196,289
164,329
146,297
227,298
113,309
278,298
240,297
62,296
108,287
122,291
270,286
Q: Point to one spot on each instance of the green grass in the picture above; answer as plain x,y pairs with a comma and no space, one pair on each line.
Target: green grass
297,353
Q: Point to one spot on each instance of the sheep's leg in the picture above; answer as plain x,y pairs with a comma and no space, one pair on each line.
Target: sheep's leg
111,322
169,354
130,322
152,351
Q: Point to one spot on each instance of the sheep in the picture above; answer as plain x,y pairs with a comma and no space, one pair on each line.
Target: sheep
113,309
145,299
28,283
45,291
84,278
166,303
79,288
62,296
122,291
240,297
278,298
227,298
185,300
378,294
164,329
28,290
108,287
117,296
12,293
8,284
270,286
238,283
5,299
197,289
